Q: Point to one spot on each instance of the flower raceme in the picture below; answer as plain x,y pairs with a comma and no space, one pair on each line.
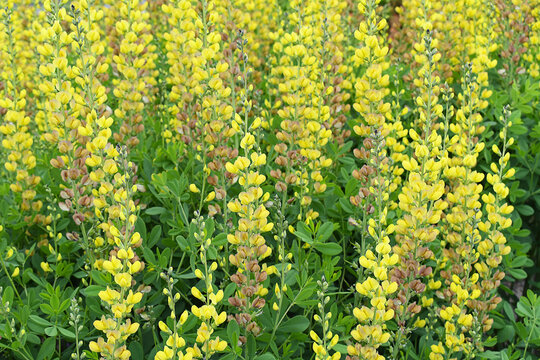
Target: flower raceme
117,221
134,63
247,241
16,125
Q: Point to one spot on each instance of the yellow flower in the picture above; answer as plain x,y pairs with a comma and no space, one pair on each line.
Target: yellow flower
45,267
123,280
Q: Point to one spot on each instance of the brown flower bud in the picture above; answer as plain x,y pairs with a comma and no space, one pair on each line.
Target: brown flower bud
368,143
291,179
220,193
78,218
281,161
281,186
234,301
276,174
248,291
258,303
85,201
260,277
212,180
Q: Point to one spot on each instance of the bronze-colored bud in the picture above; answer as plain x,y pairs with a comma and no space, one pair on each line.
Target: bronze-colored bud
417,286
291,179
234,301
66,194
248,291
57,163
254,328
260,277
276,174
235,278
212,180
253,266
220,194
85,201
368,143
282,161
370,209
261,250
414,308
78,218
281,186
258,303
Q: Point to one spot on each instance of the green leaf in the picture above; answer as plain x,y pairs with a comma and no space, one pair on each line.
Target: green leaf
100,278
305,293
51,331
8,295
149,255
47,348
230,356
506,334
328,248
154,236
182,242
517,273
304,233
267,356
46,308
508,311
524,308
137,351
522,331
64,305
522,262
525,210
518,129
490,341
33,339
233,332
39,321
251,346
157,210
219,240
325,231
67,333
295,325
92,290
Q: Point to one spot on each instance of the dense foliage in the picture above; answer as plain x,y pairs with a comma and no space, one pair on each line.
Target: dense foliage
267,179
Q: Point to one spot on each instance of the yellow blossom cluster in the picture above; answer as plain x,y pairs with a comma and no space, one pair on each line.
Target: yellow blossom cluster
323,346
134,63
16,124
345,147
308,62
207,314
247,241
117,217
